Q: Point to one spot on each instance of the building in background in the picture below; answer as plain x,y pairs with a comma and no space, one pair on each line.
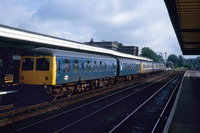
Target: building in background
103,44
133,50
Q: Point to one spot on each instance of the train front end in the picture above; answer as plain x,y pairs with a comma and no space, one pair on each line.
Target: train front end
38,70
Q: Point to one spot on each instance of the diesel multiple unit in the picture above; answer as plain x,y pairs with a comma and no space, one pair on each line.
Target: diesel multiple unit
63,72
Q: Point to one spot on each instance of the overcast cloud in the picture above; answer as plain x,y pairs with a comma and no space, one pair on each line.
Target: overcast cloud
142,23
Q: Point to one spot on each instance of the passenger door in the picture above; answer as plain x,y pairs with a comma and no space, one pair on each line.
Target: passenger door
58,72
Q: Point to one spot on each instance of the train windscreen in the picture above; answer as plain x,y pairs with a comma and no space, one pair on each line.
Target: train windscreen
27,64
42,64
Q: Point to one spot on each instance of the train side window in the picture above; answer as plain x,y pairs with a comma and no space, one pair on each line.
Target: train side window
75,66
88,66
95,66
100,66
66,65
82,66
27,64
107,67
125,66
115,67
42,64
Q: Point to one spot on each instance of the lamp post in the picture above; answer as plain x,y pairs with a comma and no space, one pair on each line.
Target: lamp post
160,54
165,56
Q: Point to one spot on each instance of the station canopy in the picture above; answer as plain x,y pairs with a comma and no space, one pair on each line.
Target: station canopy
185,18
21,38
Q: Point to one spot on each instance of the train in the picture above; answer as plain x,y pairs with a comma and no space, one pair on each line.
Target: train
63,72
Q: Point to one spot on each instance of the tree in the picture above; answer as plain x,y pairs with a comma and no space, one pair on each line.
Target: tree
160,58
173,58
147,52
181,61
118,44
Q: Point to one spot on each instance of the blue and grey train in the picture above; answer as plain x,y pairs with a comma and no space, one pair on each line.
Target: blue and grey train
64,72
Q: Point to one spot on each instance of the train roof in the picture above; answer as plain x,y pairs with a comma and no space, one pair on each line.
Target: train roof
62,53
126,59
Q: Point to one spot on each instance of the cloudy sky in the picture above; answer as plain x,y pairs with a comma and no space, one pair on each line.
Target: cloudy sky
142,23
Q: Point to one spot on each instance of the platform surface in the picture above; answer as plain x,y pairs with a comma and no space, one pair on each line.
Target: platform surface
186,118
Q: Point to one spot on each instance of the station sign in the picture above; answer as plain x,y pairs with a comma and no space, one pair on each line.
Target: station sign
16,57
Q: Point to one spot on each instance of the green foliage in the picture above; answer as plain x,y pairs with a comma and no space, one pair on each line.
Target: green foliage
182,62
160,58
147,52
193,63
173,58
118,44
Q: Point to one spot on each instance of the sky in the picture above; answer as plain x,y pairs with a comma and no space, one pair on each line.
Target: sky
141,23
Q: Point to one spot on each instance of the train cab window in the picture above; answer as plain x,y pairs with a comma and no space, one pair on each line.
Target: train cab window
95,66
42,64
100,66
88,66
75,66
27,64
66,65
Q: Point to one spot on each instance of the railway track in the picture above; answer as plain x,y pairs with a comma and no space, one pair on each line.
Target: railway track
56,103
152,114
96,107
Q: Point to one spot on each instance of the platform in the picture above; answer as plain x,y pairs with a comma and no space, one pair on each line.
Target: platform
186,116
